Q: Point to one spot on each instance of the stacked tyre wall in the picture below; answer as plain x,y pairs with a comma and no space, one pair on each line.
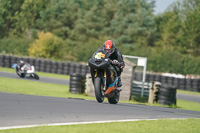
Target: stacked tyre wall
77,84
167,95
180,83
46,65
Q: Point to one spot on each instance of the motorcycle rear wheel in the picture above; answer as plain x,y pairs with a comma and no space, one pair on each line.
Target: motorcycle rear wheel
36,76
98,85
114,99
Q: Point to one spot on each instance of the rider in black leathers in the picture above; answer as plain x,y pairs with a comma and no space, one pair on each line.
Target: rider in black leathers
21,63
115,56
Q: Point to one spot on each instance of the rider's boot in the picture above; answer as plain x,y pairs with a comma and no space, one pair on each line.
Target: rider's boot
119,84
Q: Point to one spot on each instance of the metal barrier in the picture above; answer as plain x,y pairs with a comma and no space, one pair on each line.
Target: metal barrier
137,88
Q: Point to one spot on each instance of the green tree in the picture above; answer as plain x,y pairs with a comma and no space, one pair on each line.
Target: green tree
188,12
47,46
192,29
170,31
8,18
28,14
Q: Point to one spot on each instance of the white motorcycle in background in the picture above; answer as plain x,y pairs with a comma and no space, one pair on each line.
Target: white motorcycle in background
26,70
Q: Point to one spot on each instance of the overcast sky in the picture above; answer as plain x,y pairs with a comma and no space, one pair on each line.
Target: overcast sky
161,5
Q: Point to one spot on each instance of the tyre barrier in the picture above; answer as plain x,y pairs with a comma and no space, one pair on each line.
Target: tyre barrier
48,66
45,65
83,71
164,79
60,68
151,77
14,60
188,85
182,83
72,68
42,65
88,69
167,95
179,83
77,68
54,67
66,68
7,61
26,59
77,83
157,78
147,77
176,82
2,60
170,80
196,85
32,61
37,65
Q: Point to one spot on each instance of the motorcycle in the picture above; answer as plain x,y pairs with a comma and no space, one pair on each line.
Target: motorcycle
104,77
26,70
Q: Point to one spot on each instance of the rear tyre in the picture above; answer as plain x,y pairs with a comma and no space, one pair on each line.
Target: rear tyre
114,99
98,89
36,76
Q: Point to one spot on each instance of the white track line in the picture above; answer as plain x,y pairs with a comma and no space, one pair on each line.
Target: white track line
76,123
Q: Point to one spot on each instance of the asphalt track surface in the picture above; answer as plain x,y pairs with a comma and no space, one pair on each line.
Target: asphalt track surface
18,110
188,97
42,79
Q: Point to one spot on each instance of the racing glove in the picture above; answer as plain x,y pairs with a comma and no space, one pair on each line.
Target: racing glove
115,62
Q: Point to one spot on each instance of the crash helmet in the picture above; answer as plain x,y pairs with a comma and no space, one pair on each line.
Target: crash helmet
109,46
21,61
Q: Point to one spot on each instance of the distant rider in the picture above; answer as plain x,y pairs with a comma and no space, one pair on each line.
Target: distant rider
115,56
20,65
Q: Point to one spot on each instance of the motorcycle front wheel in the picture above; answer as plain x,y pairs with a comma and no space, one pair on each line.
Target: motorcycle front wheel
98,85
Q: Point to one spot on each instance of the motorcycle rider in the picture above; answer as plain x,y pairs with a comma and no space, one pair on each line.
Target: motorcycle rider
21,63
116,57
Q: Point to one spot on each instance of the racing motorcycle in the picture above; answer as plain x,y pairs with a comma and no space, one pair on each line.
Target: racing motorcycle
104,77
26,70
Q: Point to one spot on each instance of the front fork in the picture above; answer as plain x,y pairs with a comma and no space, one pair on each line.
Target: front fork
103,78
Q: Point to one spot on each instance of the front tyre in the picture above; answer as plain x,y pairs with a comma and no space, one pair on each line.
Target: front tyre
98,85
114,99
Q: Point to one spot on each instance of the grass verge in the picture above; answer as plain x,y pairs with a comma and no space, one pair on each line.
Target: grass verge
20,86
186,105
153,126
41,74
188,92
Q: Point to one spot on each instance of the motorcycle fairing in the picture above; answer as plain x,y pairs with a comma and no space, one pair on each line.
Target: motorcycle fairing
14,66
111,87
31,69
99,55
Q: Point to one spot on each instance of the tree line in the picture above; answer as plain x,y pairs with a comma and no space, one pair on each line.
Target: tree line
72,30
